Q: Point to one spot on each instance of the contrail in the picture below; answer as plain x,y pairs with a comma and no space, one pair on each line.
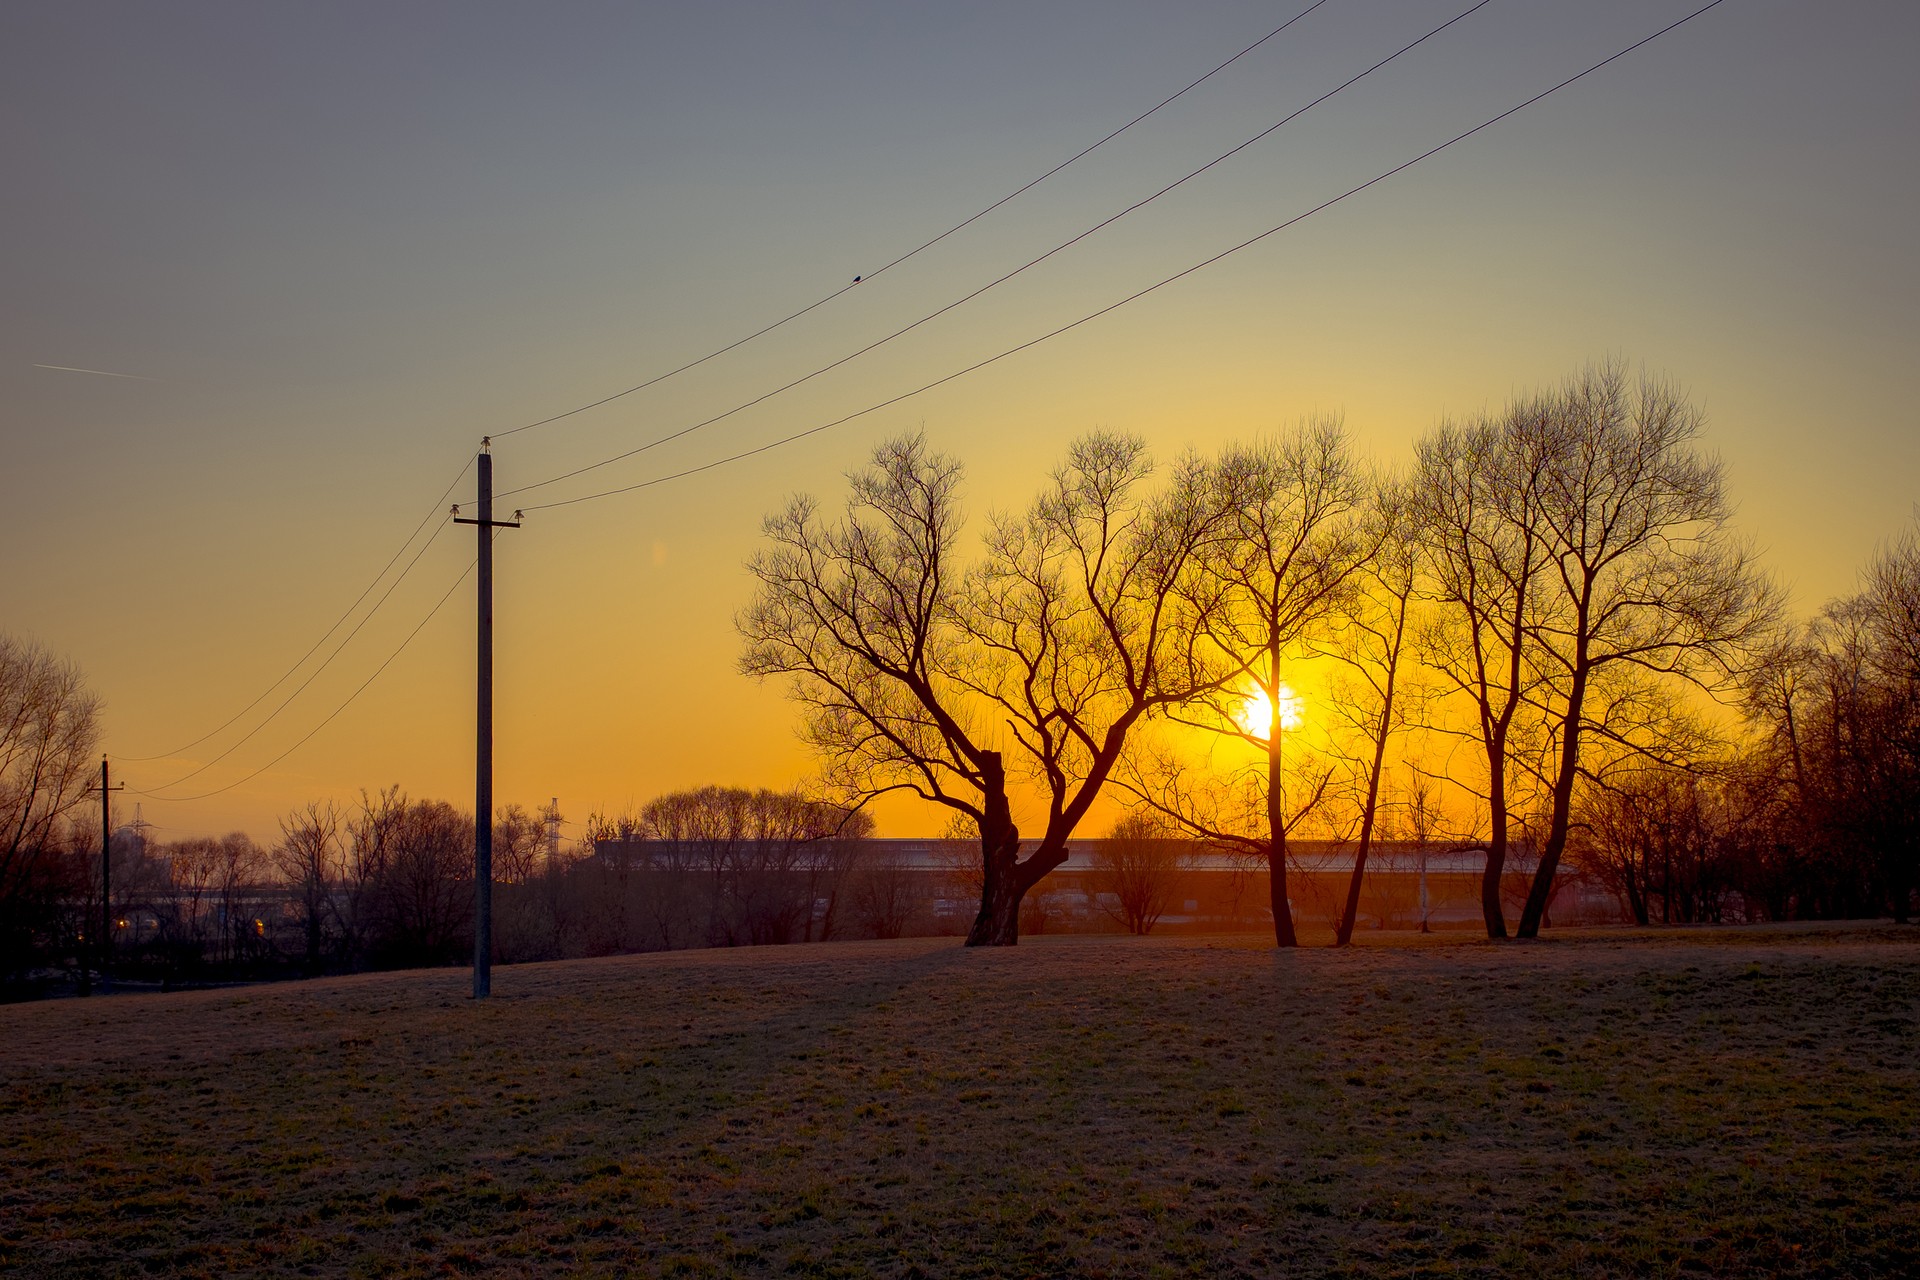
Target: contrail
67,368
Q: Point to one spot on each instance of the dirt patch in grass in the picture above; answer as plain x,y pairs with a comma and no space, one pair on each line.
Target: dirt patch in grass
1719,1103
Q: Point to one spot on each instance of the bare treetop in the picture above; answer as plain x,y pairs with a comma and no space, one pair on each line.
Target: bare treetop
49,729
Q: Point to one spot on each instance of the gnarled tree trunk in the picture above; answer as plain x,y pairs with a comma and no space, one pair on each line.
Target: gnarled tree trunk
1001,888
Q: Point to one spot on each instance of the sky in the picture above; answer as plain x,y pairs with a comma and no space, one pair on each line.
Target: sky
311,254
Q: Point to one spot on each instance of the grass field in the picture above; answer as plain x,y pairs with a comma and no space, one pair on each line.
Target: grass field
1726,1103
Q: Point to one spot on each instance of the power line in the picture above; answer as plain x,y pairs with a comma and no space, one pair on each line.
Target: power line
993,284
315,674
338,622
335,712
1132,297
917,249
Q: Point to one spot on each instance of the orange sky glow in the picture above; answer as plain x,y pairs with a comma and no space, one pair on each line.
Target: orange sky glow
318,253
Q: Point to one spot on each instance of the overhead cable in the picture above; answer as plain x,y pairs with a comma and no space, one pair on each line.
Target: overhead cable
917,249
996,283
332,715
338,622
1132,297
315,674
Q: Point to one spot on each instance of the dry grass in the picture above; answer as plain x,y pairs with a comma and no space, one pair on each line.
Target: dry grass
1730,1103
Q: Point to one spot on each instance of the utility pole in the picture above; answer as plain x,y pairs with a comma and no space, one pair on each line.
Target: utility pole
106,878
483,734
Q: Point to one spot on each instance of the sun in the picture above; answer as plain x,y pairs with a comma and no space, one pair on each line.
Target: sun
1256,712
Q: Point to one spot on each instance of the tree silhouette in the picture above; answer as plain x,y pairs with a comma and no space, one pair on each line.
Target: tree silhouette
1372,644
1476,487
1140,866
919,673
1263,590
1646,582
49,727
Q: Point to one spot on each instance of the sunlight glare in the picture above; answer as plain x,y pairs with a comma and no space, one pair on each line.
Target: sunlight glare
1256,714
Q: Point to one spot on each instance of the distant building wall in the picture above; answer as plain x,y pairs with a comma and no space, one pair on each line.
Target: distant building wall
1219,892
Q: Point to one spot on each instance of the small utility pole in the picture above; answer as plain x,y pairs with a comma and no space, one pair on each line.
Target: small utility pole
483,734
553,834
106,877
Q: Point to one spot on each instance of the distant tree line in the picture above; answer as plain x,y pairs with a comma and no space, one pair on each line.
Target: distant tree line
715,867
49,729
387,882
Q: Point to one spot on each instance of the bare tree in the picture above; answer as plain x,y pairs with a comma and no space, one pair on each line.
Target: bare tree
1418,819
184,911
1647,839
1890,605
830,856
1891,600
523,919
764,879
517,840
1371,642
725,866
917,675
1140,867
203,903
1646,578
239,866
693,841
958,852
601,888
1681,822
373,834
1082,614
1838,706
886,891
424,893
398,887
49,728
306,858
1477,488
1281,567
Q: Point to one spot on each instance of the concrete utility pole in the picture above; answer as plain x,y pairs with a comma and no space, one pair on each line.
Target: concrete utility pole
106,878
483,735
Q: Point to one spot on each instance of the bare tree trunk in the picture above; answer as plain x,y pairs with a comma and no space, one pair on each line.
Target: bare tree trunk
1283,932
1283,935
1496,856
1001,885
1344,934
1490,886
1536,908
998,923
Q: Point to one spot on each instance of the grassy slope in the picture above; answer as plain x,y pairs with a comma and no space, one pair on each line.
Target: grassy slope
1727,1104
